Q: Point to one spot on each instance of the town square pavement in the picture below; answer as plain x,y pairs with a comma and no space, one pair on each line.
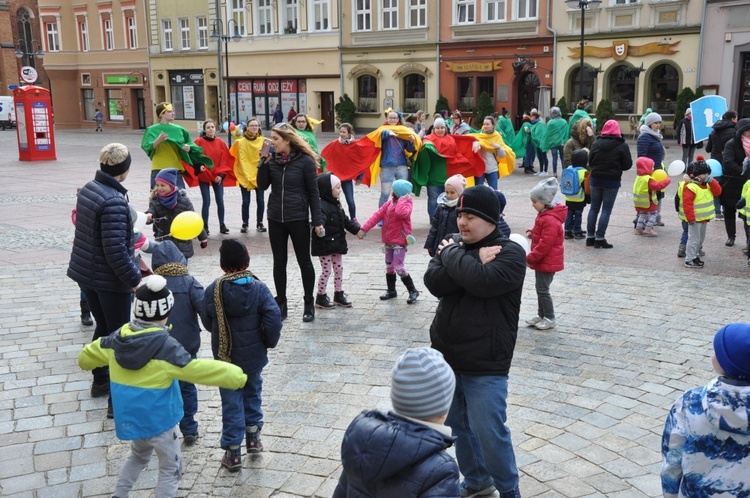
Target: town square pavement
587,399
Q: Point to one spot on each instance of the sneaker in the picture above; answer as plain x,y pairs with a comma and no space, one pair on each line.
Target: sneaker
659,223
533,321
467,492
729,242
190,439
693,264
580,235
700,261
244,228
252,439
260,228
232,459
99,389
719,216
223,229
527,171
638,231
545,323
650,232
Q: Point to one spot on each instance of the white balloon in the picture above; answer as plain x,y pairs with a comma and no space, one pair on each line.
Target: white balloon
676,167
140,222
521,241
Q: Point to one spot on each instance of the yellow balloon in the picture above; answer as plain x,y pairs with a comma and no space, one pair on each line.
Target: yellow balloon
659,175
186,225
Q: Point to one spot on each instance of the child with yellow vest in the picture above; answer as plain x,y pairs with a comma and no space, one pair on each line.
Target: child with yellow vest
696,206
743,206
577,202
645,197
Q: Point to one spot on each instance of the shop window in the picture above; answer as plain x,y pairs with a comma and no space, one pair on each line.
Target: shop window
115,105
470,87
622,89
417,13
574,84
367,93
664,84
389,14
363,15
88,104
188,95
414,92
464,11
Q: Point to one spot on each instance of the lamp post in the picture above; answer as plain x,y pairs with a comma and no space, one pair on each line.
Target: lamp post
25,54
219,33
583,5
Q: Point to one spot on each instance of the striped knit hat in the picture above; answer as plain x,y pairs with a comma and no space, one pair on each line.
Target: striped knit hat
422,384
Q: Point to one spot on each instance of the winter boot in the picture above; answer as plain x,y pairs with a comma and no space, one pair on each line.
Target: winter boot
681,251
86,314
281,301
339,299
568,234
413,292
322,302
390,278
308,314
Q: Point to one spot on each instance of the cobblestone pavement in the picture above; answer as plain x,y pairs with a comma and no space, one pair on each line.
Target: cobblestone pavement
587,399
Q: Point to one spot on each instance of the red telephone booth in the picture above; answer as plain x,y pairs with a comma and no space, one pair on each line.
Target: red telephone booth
36,137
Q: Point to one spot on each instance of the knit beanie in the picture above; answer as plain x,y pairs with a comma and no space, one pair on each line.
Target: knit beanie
168,175
334,180
580,158
545,191
401,188
233,256
480,201
688,111
732,349
458,182
422,384
439,122
153,300
652,118
611,128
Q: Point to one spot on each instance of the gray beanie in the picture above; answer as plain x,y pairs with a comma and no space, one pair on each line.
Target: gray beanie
652,118
422,384
545,191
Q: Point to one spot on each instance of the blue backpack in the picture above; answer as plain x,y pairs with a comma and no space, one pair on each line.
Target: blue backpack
570,182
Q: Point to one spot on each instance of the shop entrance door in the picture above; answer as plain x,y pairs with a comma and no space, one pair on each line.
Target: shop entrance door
140,103
327,113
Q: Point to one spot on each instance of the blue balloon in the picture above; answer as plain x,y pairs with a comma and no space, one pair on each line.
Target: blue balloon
716,169
225,126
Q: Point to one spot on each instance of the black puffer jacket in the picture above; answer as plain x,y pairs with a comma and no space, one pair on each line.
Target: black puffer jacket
476,322
734,155
336,223
609,157
723,132
102,256
294,191
163,218
443,222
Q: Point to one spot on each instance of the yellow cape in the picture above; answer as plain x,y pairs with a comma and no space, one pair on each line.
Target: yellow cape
401,132
505,165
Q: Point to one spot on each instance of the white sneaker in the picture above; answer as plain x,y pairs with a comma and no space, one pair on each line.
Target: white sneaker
533,321
544,324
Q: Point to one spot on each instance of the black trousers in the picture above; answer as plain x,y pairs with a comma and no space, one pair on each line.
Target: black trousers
279,235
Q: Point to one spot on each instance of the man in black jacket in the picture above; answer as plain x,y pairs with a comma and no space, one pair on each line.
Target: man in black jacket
478,276
102,259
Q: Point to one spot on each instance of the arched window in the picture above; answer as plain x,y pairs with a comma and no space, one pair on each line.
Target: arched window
23,20
574,83
367,93
414,96
664,84
622,89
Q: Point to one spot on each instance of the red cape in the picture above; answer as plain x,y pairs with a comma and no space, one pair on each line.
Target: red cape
349,161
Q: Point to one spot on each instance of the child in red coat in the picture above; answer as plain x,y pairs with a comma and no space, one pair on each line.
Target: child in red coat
645,190
547,253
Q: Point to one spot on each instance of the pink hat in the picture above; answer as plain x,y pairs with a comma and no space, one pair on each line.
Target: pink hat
458,182
611,128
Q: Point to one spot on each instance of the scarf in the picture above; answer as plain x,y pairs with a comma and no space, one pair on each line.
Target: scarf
169,201
249,136
443,200
746,145
651,131
172,270
207,138
225,334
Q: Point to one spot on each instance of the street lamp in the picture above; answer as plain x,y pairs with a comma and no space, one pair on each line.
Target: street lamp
218,33
583,5
23,53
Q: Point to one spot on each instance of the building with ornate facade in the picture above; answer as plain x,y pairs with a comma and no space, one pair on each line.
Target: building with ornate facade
20,35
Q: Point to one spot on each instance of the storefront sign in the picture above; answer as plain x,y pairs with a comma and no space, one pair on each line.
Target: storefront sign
465,67
621,49
120,79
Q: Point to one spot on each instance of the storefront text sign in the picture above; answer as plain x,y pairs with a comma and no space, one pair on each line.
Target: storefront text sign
621,49
465,67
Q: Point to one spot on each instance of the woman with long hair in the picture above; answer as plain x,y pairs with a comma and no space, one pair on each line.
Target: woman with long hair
222,174
304,127
246,153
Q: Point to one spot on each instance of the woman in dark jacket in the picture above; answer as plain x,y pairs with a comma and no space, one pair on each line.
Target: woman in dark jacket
581,137
650,145
735,153
609,157
723,131
290,172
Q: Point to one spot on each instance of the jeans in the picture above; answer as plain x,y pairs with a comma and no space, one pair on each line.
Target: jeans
111,311
240,409
684,237
388,175
347,188
573,220
601,199
279,235
167,447
188,425
206,196
528,160
490,177
180,181
432,196
477,416
260,201
717,202
543,161
546,308
557,151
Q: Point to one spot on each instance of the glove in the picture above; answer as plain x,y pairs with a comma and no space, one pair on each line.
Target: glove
204,244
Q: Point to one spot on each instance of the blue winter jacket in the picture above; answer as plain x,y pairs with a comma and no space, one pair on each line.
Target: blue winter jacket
102,256
254,321
387,456
651,147
187,292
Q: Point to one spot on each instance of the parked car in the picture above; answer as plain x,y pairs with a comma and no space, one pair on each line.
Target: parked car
7,112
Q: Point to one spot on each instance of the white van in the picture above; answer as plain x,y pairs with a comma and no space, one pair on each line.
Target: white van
7,112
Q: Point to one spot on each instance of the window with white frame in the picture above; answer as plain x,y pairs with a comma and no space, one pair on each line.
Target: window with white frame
109,35
184,33
417,14
625,2
264,17
464,11
238,14
494,10
53,37
132,32
166,30
291,14
526,9
83,35
389,14
202,23
321,14
363,15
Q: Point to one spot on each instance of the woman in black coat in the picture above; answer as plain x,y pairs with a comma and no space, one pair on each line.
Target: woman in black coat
732,180
290,172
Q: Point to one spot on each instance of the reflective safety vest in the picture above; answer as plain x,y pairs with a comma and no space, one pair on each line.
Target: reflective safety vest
641,196
703,204
745,211
581,195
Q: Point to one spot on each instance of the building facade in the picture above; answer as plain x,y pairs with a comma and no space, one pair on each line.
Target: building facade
20,35
96,58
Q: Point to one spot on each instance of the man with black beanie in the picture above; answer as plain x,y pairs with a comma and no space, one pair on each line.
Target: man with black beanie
478,276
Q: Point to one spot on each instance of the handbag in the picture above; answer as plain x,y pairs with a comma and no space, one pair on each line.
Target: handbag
587,182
